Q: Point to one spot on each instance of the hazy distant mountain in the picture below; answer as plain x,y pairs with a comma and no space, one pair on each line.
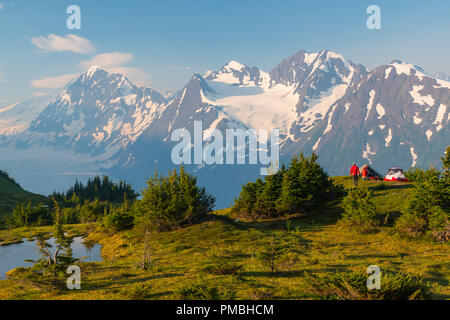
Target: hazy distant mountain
17,117
442,75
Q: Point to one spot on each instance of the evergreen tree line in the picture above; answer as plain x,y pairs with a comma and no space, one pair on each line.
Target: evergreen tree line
167,202
102,189
81,203
300,188
29,215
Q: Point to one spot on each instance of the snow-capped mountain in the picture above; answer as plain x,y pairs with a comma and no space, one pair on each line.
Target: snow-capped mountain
396,114
237,74
152,150
17,117
97,114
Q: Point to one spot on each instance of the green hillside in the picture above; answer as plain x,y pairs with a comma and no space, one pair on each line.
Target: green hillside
221,252
11,193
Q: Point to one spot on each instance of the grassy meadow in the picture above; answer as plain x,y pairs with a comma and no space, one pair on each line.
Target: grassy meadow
222,252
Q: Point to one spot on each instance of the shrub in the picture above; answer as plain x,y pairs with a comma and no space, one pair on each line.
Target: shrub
118,220
71,215
439,224
262,294
411,225
93,210
269,193
428,212
136,292
174,200
302,187
223,269
201,291
353,286
305,186
360,214
271,253
246,205
25,215
417,174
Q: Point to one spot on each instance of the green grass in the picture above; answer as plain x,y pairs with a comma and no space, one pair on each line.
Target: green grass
12,194
317,246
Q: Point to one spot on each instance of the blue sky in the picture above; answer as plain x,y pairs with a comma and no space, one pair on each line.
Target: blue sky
162,43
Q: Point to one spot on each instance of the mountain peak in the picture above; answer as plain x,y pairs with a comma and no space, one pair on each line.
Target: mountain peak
92,70
334,55
197,77
408,68
233,65
95,74
397,61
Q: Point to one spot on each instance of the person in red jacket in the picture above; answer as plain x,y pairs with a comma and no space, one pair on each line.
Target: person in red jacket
354,172
364,173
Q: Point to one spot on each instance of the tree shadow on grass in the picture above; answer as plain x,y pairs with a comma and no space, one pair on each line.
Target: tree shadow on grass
106,282
375,256
276,274
283,274
389,186
327,215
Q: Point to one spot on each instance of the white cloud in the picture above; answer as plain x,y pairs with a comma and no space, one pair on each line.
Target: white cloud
53,82
108,60
114,62
70,42
1,6
136,75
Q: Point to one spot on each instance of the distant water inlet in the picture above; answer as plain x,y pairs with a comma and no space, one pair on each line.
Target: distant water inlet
13,256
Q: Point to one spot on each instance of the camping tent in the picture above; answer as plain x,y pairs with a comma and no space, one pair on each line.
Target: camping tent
395,174
371,173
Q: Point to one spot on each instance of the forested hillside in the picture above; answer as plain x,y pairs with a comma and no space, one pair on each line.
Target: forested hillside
11,193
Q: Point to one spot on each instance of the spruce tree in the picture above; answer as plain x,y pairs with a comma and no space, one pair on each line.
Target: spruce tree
305,186
62,256
428,211
270,193
174,200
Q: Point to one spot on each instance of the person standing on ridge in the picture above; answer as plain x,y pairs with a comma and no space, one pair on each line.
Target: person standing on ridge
365,173
354,172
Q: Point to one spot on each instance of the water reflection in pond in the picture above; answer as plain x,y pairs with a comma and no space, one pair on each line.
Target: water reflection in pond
13,256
